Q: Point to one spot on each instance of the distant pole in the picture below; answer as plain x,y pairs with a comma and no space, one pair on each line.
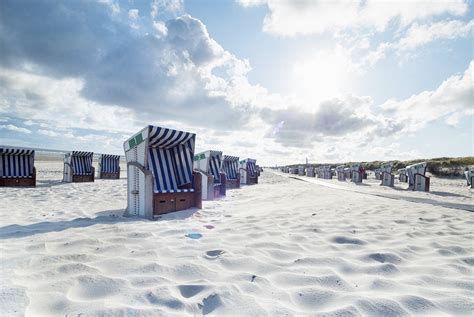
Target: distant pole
306,161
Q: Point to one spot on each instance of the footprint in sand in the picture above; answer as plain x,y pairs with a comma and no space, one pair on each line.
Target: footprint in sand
209,227
194,235
214,254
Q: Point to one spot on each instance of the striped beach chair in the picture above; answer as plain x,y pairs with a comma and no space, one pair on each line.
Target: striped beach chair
209,164
160,176
386,176
347,173
301,170
78,167
402,175
17,167
417,180
341,176
230,166
469,175
248,172
310,171
109,167
357,173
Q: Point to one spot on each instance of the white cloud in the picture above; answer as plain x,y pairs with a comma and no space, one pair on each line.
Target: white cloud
133,14
422,34
452,99
14,128
290,18
49,133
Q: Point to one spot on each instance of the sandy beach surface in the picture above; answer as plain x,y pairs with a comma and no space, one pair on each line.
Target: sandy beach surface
283,247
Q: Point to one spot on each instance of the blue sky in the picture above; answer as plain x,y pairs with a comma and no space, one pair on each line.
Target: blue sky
276,80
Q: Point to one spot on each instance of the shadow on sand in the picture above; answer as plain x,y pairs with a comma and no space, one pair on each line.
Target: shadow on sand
104,217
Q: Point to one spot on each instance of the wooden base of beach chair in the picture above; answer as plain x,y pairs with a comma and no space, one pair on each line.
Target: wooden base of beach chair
232,183
422,183
109,175
472,182
169,202
387,179
252,180
84,178
19,182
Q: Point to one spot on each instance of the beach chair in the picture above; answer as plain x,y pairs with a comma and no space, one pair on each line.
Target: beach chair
17,167
378,174
310,171
248,172
417,180
326,172
285,169
160,176
341,176
301,171
347,172
469,174
387,177
78,167
209,164
402,175
356,173
109,167
294,170
230,166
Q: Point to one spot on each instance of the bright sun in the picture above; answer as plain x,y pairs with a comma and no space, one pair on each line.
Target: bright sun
321,77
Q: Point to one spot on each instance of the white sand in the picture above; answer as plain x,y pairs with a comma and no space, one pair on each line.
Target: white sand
281,247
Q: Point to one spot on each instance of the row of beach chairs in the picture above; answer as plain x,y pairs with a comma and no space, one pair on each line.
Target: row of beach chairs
413,174
163,172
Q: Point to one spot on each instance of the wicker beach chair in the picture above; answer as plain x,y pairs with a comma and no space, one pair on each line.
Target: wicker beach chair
248,172
109,167
17,167
209,164
78,167
417,180
160,177
230,166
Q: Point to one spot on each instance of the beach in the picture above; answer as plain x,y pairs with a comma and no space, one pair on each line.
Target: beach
284,247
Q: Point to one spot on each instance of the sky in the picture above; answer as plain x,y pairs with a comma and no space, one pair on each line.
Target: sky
275,80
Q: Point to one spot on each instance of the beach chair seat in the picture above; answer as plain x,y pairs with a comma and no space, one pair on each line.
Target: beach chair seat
160,176
78,167
17,167
109,167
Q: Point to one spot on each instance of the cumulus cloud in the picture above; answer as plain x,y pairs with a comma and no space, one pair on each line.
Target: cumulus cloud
332,118
422,34
14,128
289,18
453,98
167,75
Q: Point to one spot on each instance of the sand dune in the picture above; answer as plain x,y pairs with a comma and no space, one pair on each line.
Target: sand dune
283,247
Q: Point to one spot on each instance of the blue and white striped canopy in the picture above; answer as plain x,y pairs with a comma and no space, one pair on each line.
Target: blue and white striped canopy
109,163
170,159
215,163
16,162
81,162
168,138
230,165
